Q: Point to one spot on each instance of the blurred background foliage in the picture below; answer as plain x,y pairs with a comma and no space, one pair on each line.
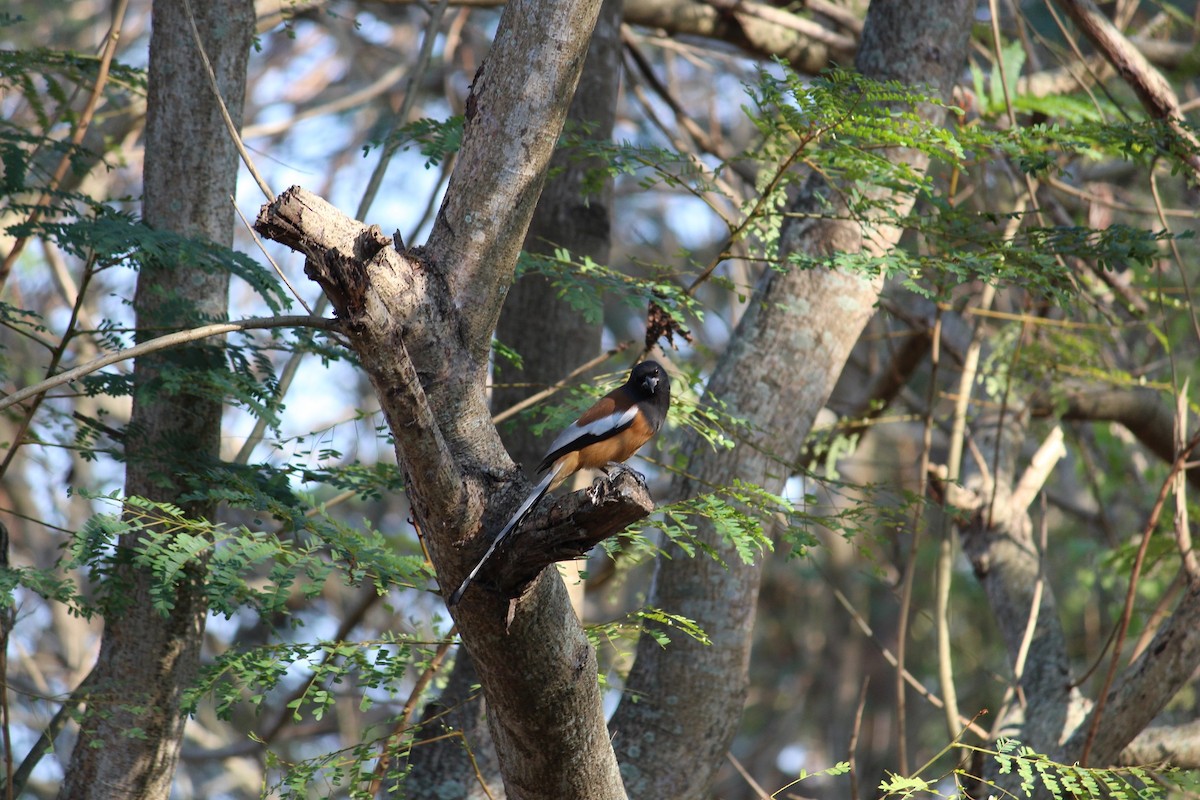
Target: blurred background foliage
1055,230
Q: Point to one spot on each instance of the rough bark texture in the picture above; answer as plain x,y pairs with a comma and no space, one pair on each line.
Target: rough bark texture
533,660
129,739
553,339
689,696
421,323
505,154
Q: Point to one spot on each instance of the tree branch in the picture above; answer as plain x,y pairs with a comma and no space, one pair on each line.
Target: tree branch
998,540
163,343
1140,409
421,323
1152,89
391,304
514,115
839,45
777,372
1038,471
1161,669
567,529
758,28
1147,685
1178,745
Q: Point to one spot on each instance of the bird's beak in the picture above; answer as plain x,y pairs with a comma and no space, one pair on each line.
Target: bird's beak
650,384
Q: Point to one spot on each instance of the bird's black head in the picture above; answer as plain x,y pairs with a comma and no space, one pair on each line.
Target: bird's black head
651,386
648,379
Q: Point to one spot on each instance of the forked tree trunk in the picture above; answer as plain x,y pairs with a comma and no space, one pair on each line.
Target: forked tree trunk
552,339
421,322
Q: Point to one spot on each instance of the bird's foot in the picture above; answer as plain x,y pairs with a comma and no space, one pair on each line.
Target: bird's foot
618,467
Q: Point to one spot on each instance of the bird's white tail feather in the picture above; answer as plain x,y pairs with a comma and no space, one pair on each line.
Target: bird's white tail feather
537,494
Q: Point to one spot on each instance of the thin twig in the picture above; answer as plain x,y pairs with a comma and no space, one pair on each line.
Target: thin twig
1131,594
274,265
555,388
1183,533
1113,203
703,140
1030,484
942,581
765,196
427,675
85,120
1154,620
286,376
7,618
216,90
754,785
910,565
997,49
852,757
431,204
347,624
643,70
292,365
919,687
1176,255
1155,93
65,713
1035,608
163,343
410,97
55,359
337,105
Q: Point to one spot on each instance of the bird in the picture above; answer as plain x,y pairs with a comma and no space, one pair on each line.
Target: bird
608,433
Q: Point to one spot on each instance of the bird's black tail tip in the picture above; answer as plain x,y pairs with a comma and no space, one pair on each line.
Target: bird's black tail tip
458,593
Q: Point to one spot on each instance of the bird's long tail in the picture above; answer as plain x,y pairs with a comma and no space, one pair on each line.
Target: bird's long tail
537,494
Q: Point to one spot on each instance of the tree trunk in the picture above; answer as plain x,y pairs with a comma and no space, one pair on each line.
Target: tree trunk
998,538
552,339
551,336
778,371
421,322
129,740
